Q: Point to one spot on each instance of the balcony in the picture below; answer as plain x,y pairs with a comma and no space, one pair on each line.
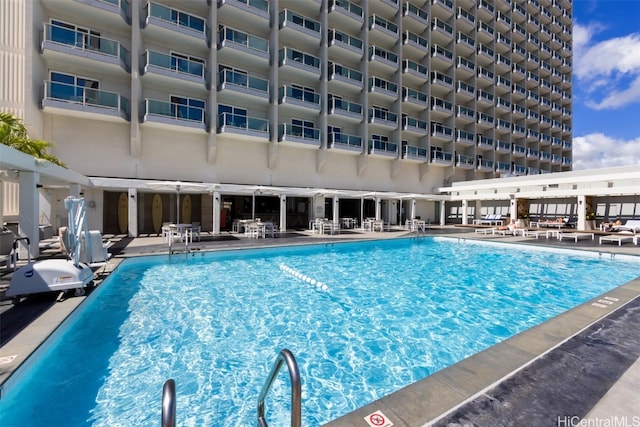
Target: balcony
503,167
343,45
503,147
414,18
414,45
344,142
255,13
189,31
464,162
345,14
382,90
233,84
414,126
299,29
414,72
519,151
381,60
414,154
378,148
298,136
243,128
484,142
485,165
236,46
414,100
297,65
112,14
85,50
345,110
464,138
171,115
344,79
383,118
441,132
292,99
441,158
172,69
382,32
80,101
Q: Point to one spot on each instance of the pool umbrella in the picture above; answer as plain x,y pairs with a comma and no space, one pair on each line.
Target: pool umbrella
178,187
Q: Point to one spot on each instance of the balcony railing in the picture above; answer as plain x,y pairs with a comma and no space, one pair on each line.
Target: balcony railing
413,152
226,34
176,17
375,145
299,94
86,96
242,122
173,63
346,106
341,140
243,80
82,41
173,110
297,131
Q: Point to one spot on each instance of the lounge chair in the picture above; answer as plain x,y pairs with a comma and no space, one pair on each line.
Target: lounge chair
576,236
632,225
619,238
485,230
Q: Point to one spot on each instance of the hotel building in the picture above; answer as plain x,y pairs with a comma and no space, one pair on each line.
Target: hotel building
371,96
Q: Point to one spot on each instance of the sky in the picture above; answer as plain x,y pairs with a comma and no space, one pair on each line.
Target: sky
606,83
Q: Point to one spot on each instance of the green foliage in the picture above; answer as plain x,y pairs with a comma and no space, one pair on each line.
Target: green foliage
13,133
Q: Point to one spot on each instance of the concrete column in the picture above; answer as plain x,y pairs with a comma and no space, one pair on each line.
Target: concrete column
478,213
443,213
216,212
1,204
28,220
283,213
513,208
378,206
336,211
582,213
413,209
465,215
133,212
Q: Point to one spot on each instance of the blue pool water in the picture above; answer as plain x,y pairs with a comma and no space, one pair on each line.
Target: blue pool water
362,319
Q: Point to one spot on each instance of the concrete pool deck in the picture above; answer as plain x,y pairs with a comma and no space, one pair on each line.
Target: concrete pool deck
583,363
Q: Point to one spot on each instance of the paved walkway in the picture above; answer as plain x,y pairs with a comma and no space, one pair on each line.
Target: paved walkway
603,345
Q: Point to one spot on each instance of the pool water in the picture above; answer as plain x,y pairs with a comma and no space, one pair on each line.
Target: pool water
362,320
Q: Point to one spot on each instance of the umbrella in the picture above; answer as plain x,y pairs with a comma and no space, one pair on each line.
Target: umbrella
179,186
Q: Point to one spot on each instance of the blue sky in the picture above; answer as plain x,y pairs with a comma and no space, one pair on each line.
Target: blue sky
606,83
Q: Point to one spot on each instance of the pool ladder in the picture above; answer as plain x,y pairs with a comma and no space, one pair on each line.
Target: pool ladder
296,394
169,393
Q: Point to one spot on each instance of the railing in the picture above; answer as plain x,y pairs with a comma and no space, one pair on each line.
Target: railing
296,393
239,121
86,41
176,17
243,80
174,63
169,404
86,96
243,39
173,110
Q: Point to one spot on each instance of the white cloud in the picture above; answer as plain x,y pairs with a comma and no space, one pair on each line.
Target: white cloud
609,68
597,150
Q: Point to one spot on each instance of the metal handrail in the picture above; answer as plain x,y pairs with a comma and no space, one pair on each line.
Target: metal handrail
169,404
296,395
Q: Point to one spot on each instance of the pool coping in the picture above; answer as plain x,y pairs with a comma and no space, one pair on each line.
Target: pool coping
418,404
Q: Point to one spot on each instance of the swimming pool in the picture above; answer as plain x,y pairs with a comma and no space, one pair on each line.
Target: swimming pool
362,319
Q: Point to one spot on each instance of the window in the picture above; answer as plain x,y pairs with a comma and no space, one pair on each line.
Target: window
187,108
187,64
61,32
73,88
233,116
303,128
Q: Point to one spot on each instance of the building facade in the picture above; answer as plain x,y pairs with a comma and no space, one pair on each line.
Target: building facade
379,95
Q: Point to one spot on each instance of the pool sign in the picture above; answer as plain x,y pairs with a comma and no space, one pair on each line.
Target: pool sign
378,419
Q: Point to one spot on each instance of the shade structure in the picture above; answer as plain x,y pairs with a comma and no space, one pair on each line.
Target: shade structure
179,187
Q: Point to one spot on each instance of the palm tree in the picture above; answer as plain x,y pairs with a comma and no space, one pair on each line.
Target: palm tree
14,134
